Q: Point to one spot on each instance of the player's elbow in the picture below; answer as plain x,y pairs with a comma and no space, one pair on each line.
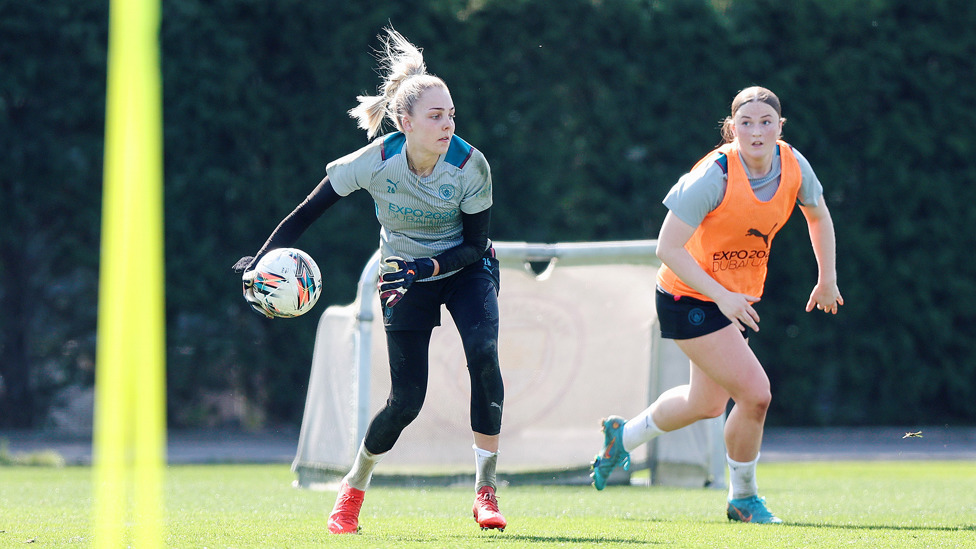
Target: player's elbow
665,253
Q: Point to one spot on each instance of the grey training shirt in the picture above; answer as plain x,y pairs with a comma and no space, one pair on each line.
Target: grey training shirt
419,216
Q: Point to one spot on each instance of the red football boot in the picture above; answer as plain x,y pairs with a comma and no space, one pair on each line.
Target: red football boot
485,510
345,515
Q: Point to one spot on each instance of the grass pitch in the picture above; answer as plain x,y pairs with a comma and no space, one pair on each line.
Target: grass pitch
825,504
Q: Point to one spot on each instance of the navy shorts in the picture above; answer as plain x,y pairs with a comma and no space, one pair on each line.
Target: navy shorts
420,307
683,317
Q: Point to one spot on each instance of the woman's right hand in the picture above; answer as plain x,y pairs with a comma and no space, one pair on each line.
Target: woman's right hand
247,280
738,308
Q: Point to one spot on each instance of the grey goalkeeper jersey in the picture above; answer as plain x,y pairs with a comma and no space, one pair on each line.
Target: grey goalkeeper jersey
419,216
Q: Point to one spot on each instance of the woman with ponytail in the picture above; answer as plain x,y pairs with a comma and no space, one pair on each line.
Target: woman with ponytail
714,247
433,197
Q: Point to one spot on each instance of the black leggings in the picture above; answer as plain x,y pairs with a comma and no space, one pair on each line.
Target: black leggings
474,307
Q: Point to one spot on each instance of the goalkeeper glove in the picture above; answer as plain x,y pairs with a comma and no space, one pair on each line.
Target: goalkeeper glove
244,263
247,280
394,285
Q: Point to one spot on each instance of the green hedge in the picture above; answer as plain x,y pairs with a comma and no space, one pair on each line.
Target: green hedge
588,112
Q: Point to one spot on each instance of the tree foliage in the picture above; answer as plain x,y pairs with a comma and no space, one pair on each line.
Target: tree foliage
587,115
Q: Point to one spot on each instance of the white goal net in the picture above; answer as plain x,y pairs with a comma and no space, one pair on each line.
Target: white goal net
578,341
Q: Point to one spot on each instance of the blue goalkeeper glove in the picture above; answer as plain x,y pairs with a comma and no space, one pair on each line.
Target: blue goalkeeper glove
394,285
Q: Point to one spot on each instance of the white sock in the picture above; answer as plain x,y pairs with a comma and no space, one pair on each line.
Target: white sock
362,469
742,478
640,430
485,462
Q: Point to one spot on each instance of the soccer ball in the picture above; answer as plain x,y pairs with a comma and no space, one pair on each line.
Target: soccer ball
287,282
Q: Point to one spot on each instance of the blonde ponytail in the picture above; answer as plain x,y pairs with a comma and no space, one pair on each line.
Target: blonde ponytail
405,79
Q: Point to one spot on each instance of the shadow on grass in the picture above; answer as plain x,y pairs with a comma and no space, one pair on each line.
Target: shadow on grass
967,528
898,527
502,539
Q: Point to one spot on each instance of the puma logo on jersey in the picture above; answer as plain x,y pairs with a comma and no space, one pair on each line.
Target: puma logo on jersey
391,186
765,237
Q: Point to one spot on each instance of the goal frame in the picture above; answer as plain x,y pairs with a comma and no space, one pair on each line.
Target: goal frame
666,455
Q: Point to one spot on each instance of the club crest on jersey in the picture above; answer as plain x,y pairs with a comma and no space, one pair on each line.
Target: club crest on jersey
446,191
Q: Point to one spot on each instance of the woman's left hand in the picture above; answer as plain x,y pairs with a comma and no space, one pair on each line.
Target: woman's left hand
825,297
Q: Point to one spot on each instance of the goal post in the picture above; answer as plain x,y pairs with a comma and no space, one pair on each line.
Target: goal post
578,340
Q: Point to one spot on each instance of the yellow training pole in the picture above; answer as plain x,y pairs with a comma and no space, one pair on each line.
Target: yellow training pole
130,416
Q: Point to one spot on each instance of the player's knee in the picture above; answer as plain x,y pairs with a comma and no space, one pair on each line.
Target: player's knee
405,415
762,400
483,365
756,402
483,355
767,400
403,411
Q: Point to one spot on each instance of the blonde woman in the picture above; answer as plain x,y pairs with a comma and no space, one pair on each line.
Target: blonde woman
433,197
714,245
